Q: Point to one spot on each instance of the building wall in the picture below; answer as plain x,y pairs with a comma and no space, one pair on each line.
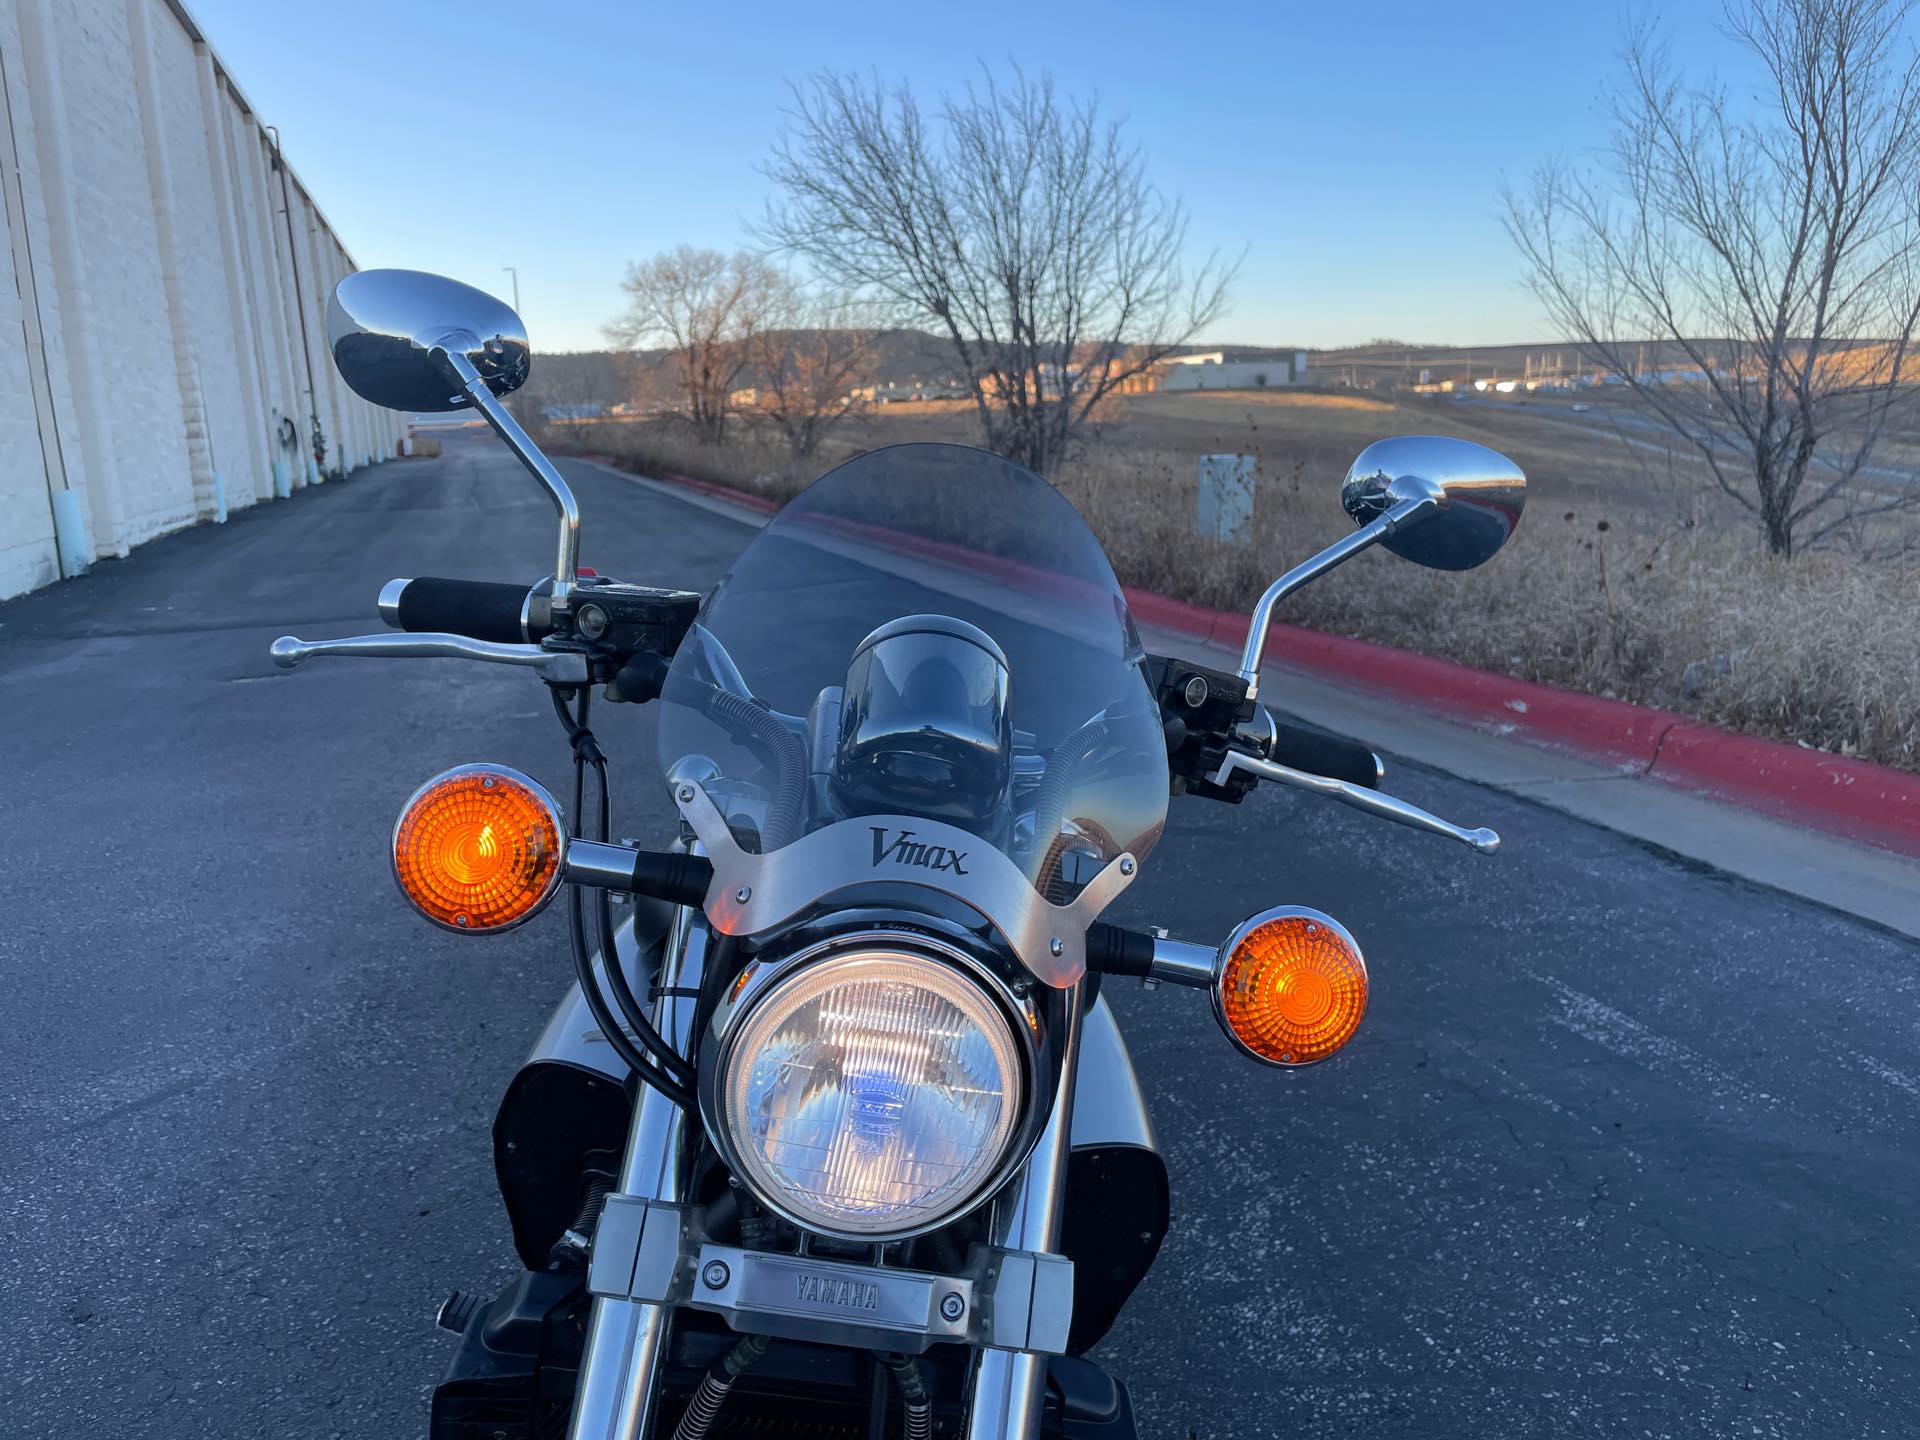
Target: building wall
1234,374
148,279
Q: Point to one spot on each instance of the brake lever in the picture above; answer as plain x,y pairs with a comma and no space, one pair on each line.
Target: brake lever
1387,807
560,667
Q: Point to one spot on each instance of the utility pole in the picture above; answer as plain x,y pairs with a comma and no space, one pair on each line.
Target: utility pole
517,402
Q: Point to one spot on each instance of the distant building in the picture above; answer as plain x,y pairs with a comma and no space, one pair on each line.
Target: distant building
1219,370
895,392
592,410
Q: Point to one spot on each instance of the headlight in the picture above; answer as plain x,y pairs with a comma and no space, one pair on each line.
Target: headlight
870,1094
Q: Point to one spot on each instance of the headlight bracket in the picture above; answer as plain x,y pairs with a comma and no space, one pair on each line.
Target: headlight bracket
652,1251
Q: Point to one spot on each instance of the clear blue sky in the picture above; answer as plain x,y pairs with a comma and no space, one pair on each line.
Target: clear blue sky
1353,150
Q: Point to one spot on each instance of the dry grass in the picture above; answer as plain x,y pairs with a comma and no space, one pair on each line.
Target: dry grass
1606,589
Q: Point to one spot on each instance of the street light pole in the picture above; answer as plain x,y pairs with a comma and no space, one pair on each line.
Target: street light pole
514,271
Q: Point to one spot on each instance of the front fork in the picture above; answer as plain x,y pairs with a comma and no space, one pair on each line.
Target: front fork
619,1367
626,1339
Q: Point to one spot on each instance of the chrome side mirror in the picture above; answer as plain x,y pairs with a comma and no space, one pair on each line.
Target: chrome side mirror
393,333
407,340
1444,503
1477,495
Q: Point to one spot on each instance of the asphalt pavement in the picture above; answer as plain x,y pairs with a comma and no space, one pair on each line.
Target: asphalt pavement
1626,1146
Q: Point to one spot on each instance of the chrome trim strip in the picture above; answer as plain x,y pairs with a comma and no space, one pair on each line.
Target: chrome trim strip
1387,807
389,602
753,893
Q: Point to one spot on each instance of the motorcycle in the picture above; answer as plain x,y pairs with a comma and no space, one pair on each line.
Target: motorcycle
834,1132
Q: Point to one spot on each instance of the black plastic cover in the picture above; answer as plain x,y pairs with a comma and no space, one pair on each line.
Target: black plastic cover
552,1118
1117,1208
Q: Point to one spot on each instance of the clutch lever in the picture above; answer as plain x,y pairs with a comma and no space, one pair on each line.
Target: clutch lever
560,667
1387,807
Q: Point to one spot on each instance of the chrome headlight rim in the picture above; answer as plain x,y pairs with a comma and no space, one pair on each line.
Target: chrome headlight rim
762,978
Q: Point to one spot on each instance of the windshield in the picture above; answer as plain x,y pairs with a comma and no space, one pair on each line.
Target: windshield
928,631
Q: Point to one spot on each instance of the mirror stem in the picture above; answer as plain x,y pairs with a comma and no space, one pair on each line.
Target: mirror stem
1312,569
566,565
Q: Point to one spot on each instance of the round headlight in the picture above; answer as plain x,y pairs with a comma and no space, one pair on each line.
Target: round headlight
872,1094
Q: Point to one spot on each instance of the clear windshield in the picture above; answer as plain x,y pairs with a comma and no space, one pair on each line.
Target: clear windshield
928,631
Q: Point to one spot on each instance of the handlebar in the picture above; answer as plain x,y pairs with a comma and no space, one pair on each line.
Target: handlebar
482,609
1322,753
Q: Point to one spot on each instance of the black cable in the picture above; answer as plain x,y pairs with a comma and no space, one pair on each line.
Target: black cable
914,1395
788,753
704,1408
666,1081
671,1059
640,1064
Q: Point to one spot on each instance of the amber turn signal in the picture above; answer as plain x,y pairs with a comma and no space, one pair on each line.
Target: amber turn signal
479,849
1291,986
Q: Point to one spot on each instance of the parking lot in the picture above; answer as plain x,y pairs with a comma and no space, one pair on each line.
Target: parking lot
1626,1146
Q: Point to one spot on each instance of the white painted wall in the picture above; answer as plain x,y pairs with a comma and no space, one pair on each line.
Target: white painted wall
148,281
1212,374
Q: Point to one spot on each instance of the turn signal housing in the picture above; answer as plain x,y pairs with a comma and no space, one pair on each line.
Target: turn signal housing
1290,987
479,849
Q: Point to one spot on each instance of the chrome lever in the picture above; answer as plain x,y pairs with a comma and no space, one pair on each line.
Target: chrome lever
1387,807
564,667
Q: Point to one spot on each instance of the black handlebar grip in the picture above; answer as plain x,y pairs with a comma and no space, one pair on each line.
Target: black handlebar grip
479,609
1322,753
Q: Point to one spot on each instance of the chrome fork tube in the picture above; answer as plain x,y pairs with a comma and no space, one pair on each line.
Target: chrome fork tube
1010,1386
626,1338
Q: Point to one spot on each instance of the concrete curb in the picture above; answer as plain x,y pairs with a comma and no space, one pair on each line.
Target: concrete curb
1873,804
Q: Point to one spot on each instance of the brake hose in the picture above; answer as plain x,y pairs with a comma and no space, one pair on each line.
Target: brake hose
666,1081
789,755
587,749
913,1393
704,1408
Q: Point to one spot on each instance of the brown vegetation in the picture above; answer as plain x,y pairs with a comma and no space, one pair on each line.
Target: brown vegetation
1613,585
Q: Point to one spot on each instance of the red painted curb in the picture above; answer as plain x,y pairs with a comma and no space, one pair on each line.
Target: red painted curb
1874,804
1830,792
1851,798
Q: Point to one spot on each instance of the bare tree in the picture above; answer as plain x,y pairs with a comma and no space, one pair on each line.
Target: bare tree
1022,228
807,360
706,307
1751,268
572,388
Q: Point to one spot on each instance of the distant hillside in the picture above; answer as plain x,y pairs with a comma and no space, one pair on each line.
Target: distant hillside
610,377
1388,364
607,377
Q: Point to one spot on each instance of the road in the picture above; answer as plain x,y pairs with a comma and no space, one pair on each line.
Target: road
1624,1148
